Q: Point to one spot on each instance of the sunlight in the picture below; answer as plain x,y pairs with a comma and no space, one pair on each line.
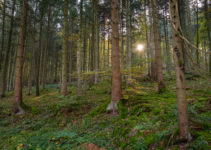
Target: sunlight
140,47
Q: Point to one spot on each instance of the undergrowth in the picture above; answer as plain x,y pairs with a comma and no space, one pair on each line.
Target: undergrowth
146,120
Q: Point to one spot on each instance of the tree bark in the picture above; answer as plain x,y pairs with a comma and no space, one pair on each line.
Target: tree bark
39,54
185,20
116,76
180,70
80,48
168,57
3,28
65,50
152,48
208,24
19,61
92,60
96,42
32,64
122,33
45,57
129,50
85,47
160,80
108,53
147,38
197,33
7,54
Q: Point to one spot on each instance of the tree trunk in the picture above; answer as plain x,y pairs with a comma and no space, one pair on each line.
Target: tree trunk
160,80
116,76
19,61
71,28
152,48
108,54
39,54
3,28
147,38
45,57
12,70
129,50
96,42
122,34
92,60
65,50
7,54
80,48
168,57
197,33
85,47
32,64
180,77
208,24
185,20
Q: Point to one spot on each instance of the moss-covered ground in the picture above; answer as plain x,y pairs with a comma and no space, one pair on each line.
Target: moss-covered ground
147,120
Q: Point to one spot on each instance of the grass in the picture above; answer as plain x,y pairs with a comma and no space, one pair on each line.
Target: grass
147,119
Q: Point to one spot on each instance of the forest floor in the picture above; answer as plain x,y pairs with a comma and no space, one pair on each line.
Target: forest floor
147,119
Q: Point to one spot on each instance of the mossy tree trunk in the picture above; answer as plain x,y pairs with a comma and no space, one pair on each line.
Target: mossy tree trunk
180,71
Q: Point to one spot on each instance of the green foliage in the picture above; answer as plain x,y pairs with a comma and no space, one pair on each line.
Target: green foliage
122,109
146,119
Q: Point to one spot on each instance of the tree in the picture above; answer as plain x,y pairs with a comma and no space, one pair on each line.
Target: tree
160,80
6,59
39,51
19,61
208,25
185,21
46,48
65,50
180,71
96,42
3,33
129,45
167,47
116,76
80,48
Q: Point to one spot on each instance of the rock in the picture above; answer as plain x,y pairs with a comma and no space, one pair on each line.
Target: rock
112,105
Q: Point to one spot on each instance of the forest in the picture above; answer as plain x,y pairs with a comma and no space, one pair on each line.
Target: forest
105,74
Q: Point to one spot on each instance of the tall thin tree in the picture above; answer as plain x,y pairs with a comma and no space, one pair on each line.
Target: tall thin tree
180,71
19,61
116,76
80,49
45,57
65,50
39,51
6,59
160,79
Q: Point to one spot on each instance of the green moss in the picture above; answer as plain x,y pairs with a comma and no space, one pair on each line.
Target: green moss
99,109
146,118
